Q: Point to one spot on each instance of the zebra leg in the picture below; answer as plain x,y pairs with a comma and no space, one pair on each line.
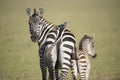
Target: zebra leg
88,69
64,72
74,64
51,58
42,64
82,70
56,69
65,65
66,50
56,74
74,69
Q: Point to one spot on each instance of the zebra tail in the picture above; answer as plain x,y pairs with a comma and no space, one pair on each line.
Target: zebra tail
76,58
75,64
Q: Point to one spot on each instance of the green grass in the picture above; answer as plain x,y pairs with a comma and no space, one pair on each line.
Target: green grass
19,58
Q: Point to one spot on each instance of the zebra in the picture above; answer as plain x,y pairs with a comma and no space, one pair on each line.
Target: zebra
46,34
85,48
39,28
64,49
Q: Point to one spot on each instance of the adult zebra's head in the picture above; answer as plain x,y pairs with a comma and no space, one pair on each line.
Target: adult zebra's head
86,44
35,23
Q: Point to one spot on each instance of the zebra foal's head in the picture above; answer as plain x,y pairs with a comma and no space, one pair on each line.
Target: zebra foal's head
87,45
35,23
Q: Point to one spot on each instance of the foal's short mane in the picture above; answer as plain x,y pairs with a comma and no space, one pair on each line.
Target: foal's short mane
81,41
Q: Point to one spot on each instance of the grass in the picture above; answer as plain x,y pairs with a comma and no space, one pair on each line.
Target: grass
19,58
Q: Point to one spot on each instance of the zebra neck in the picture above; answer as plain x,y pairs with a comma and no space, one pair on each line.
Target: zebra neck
42,38
80,51
84,50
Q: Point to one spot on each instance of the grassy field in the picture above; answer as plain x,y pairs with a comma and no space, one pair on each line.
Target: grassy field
19,58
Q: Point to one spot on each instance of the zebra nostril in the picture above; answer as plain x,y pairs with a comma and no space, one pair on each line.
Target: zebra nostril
33,38
95,56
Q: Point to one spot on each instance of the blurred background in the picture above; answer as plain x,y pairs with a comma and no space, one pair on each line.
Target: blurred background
19,58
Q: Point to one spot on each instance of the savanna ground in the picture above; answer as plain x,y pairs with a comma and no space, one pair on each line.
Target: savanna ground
19,59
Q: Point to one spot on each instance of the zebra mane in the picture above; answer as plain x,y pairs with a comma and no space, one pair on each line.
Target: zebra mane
82,40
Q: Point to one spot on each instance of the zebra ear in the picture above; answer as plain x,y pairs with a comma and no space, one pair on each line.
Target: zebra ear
28,11
85,36
92,36
41,11
34,11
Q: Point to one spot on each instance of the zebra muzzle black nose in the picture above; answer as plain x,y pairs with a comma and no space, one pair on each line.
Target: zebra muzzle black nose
95,56
33,38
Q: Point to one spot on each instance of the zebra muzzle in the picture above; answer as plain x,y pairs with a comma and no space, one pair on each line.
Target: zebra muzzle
33,38
95,56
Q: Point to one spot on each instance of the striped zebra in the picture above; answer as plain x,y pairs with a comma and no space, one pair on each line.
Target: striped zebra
86,47
46,34
59,53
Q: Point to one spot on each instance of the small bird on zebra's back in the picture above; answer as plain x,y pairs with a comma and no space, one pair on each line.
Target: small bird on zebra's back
63,25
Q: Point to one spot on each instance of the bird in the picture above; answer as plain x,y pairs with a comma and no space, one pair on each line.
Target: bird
63,25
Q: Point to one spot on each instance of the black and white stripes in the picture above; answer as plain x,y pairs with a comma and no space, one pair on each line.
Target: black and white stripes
57,48
60,44
56,45
39,30
86,47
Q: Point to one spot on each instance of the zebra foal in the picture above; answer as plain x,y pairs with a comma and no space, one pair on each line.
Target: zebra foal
85,48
